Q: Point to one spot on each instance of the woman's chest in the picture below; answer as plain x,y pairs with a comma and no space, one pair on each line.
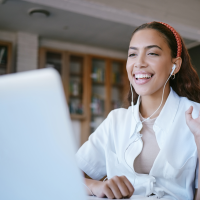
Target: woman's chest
173,151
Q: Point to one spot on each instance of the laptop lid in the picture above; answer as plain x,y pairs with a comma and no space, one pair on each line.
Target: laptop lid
37,146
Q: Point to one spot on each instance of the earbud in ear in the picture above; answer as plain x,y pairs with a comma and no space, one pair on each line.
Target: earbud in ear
173,68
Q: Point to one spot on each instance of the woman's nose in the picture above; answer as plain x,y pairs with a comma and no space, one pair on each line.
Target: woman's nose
140,61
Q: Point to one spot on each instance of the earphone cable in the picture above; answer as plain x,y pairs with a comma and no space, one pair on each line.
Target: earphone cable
160,103
89,189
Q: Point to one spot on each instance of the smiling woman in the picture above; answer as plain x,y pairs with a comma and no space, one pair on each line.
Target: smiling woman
151,148
166,52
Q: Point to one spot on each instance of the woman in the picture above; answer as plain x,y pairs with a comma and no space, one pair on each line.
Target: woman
151,148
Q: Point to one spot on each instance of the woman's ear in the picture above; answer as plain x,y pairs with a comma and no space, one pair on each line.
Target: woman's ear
177,62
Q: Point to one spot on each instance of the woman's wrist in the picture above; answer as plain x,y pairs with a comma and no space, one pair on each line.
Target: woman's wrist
91,185
88,183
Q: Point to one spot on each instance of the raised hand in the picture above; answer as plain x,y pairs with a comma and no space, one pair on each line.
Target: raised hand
193,124
117,187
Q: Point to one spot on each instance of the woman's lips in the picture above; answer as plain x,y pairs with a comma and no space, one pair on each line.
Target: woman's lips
141,81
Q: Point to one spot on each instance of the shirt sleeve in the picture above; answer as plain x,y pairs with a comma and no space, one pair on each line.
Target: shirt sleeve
196,174
91,155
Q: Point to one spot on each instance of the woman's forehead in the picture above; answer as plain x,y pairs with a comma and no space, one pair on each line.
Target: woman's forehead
148,37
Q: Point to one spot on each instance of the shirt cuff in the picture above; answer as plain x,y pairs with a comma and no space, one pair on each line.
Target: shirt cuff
92,171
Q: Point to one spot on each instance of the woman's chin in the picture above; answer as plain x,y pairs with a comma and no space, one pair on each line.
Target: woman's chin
143,92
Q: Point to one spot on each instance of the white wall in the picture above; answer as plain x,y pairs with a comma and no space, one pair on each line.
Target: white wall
27,52
8,36
64,45
24,50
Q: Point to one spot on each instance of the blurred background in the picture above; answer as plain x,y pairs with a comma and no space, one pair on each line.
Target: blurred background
87,42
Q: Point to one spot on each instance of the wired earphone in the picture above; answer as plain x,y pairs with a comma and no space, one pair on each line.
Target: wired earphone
173,69
139,135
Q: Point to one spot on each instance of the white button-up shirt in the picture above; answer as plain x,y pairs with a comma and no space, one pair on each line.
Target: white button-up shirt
113,147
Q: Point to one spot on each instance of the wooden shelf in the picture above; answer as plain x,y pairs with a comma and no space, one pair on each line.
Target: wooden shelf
97,115
98,83
117,85
75,96
69,63
76,74
77,116
3,66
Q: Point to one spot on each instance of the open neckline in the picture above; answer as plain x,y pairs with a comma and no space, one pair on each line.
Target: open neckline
149,121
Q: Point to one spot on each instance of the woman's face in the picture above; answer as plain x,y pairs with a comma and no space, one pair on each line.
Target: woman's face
149,62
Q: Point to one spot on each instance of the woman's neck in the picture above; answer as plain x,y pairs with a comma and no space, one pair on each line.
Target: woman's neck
149,104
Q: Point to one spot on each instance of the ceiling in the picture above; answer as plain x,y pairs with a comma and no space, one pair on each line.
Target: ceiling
183,15
175,11
69,25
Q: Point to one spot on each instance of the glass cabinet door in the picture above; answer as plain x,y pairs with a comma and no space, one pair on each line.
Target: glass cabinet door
116,85
98,93
54,59
76,85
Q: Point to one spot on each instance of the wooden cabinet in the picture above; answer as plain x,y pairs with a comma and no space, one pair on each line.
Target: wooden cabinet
76,86
93,85
71,69
108,83
5,57
98,92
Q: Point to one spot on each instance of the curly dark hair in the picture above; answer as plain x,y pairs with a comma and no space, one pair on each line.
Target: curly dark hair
186,83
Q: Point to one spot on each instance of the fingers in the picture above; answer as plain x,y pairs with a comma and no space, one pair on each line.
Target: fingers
115,187
108,192
189,111
129,186
124,191
118,187
188,114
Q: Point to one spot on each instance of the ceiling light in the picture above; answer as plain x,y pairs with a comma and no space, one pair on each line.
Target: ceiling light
38,13
2,1
65,27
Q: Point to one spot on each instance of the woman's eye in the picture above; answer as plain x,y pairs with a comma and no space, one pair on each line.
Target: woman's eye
132,54
153,54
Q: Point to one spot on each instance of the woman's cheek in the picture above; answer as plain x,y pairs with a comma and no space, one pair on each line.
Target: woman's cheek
130,77
129,69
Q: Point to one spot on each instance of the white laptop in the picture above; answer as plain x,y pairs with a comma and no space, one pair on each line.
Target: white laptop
37,146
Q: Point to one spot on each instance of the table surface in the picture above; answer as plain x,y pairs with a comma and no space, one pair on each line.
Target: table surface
136,197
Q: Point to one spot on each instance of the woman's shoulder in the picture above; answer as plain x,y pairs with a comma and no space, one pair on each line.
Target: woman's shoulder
120,113
119,118
185,101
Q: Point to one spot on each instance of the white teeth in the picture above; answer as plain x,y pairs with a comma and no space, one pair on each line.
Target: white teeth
142,76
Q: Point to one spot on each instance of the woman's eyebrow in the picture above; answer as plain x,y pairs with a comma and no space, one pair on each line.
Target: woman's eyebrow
153,46
147,47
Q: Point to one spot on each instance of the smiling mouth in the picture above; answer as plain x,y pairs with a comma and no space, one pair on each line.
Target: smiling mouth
143,76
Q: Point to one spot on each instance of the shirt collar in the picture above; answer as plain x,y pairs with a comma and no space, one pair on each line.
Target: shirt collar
169,110
165,117
136,122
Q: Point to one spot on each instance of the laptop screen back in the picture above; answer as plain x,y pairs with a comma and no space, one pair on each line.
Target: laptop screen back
37,147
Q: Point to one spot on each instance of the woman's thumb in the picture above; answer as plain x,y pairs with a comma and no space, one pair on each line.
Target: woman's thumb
188,114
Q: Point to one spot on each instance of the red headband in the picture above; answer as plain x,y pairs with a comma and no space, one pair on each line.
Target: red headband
177,36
